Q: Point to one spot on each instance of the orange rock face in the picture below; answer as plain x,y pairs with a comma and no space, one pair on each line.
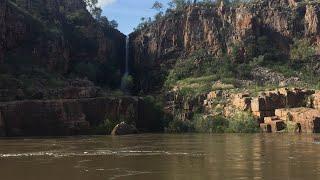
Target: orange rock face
218,29
308,119
242,102
316,100
275,123
311,20
266,104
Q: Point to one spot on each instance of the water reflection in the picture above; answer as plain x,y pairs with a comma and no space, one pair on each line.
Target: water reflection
161,156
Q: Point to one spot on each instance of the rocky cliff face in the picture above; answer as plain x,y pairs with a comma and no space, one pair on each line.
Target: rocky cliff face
74,116
41,43
56,35
218,29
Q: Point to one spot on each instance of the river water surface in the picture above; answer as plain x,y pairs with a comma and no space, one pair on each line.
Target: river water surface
162,156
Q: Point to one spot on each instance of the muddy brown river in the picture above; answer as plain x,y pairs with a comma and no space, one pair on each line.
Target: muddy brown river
162,156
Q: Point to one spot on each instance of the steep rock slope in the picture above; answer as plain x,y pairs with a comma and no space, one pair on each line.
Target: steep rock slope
217,29
56,35
75,116
41,43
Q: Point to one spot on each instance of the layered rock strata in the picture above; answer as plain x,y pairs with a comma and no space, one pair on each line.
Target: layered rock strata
217,30
72,116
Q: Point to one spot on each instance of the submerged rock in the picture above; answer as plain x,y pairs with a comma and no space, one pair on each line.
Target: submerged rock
124,129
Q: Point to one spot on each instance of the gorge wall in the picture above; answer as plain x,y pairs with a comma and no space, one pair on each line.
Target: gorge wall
56,34
218,29
74,116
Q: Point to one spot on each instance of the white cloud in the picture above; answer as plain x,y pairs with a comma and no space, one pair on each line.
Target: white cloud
104,3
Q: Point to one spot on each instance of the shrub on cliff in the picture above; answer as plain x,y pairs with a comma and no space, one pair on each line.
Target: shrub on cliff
88,70
200,64
178,126
153,108
301,50
243,122
127,83
209,124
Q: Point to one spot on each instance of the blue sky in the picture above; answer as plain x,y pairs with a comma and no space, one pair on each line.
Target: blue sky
128,12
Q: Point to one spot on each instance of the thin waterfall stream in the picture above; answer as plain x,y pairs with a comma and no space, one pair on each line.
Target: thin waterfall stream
126,78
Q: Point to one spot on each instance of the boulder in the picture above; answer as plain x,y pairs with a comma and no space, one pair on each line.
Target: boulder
124,129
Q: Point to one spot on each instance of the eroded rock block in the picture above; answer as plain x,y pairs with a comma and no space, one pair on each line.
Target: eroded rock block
316,100
262,114
265,128
306,118
242,102
277,125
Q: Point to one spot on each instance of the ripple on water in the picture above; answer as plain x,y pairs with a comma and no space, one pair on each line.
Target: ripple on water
100,153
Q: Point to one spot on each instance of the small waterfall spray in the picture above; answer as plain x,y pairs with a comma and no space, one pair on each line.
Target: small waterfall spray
126,78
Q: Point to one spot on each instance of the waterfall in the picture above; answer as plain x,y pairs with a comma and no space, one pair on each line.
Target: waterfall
126,78
127,56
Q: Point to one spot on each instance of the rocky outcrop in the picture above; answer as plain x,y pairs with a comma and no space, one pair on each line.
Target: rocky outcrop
124,129
183,107
315,100
218,29
263,76
69,89
306,119
284,109
73,116
267,102
312,20
56,35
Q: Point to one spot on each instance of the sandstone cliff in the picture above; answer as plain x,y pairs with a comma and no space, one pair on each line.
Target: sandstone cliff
41,45
217,29
56,35
75,116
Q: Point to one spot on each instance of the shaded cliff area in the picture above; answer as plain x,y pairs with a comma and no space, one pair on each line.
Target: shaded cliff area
55,40
59,70
95,116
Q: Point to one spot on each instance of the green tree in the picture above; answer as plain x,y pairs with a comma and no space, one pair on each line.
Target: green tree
93,8
157,6
178,4
113,24
301,50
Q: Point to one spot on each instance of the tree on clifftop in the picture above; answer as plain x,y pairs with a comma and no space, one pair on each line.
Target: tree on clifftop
177,4
157,6
93,8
